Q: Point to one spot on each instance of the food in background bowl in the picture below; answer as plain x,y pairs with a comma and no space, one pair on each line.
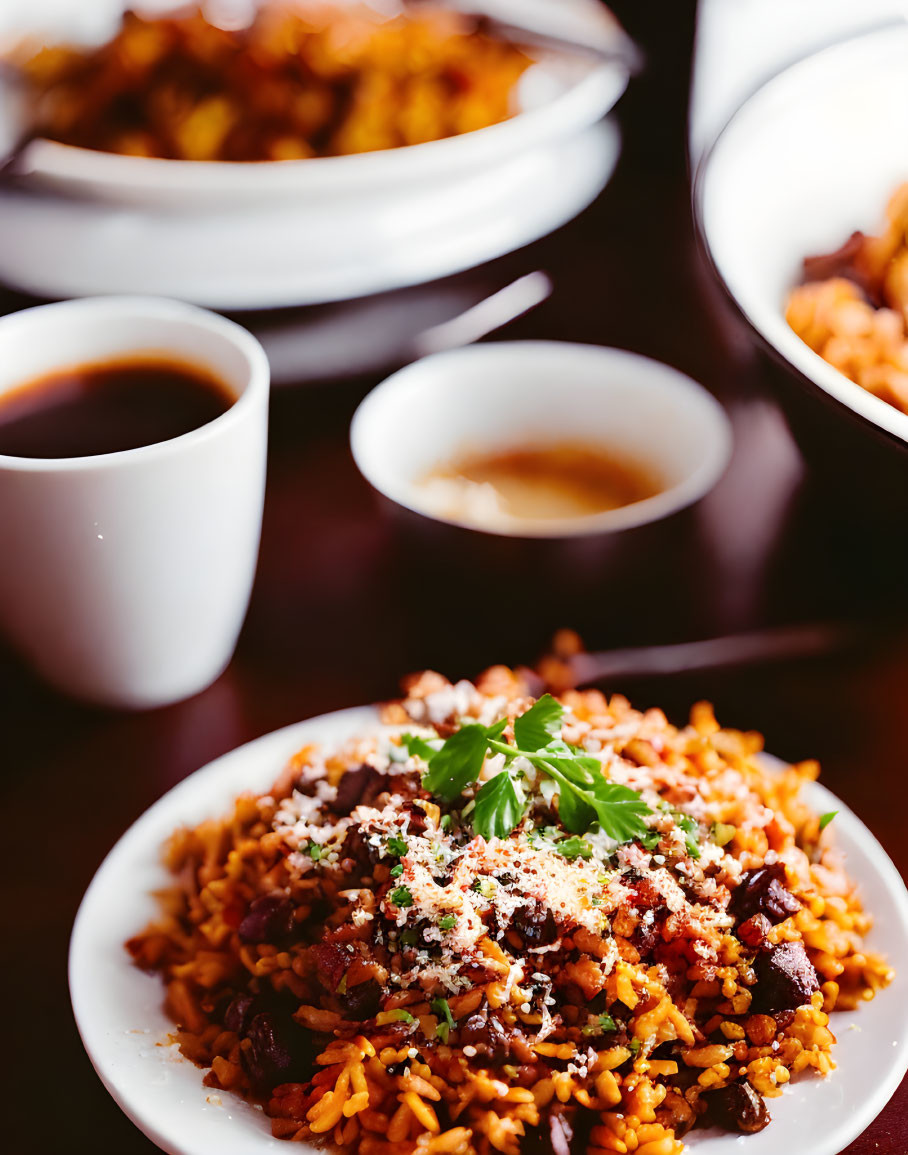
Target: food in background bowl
503,924
297,82
853,307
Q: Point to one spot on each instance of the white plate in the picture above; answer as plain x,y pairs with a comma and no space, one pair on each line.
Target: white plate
267,257
119,1014
812,156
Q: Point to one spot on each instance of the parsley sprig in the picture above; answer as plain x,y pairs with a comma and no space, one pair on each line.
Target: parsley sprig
585,796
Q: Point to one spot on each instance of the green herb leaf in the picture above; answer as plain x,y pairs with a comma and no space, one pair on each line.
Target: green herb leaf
448,922
445,823
582,771
539,725
618,809
575,847
418,747
607,1023
397,871
500,805
397,845
315,851
634,1046
585,796
458,763
827,818
401,896
442,1030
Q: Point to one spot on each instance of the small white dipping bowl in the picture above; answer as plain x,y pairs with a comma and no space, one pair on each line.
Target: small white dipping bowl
519,394
812,156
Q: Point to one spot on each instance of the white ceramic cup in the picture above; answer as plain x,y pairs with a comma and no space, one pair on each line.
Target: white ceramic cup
497,396
124,578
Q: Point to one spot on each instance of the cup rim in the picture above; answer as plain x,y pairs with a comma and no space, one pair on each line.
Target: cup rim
151,308
661,505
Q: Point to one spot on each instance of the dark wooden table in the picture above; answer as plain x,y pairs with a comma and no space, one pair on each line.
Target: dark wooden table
345,603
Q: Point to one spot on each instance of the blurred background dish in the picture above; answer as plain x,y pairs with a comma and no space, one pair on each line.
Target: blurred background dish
811,157
259,258
234,234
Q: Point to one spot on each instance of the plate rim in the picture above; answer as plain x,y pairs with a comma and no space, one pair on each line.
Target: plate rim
338,725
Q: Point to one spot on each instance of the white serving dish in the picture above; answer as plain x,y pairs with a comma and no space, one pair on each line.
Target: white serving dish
119,1010
287,254
557,97
813,155
517,393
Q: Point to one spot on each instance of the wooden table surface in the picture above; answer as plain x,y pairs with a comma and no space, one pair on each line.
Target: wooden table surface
348,599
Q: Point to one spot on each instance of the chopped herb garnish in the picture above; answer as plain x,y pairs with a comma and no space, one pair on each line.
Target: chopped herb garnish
441,1008
397,845
634,1046
315,851
722,833
603,1024
827,818
691,829
445,823
585,796
448,922
484,886
397,871
401,896
575,847
398,1016
596,900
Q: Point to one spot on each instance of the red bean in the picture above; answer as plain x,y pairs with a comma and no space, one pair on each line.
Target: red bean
269,919
736,1107
785,979
276,1050
762,892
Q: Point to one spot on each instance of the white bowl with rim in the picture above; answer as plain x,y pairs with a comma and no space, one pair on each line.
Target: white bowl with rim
561,94
533,394
812,156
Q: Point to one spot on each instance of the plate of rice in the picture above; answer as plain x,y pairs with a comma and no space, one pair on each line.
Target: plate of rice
485,919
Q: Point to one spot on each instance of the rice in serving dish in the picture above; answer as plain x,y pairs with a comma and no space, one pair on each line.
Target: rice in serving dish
507,924
302,80
853,307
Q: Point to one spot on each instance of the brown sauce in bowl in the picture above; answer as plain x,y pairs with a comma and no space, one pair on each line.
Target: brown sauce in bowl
552,482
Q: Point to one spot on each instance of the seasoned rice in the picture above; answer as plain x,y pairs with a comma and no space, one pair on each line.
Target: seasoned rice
350,953
853,307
